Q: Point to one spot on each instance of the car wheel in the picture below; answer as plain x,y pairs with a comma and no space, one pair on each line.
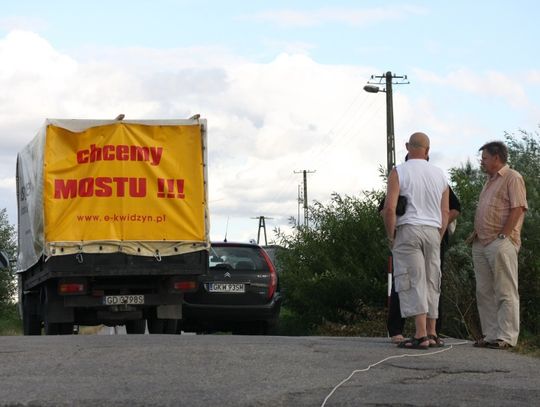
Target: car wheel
251,328
272,327
259,328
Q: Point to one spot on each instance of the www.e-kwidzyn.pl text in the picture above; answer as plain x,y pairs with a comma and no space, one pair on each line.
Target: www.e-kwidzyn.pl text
134,217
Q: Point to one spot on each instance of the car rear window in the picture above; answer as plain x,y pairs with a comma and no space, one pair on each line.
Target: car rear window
237,258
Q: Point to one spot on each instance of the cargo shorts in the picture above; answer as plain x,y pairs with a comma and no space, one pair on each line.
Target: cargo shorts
417,269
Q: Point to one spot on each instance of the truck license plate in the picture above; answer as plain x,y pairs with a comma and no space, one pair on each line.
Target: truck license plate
123,299
226,288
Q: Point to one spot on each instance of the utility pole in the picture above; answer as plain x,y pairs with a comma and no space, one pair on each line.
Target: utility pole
305,172
299,203
390,140
372,88
262,225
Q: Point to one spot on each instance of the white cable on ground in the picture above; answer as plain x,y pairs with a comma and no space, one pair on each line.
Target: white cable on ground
405,355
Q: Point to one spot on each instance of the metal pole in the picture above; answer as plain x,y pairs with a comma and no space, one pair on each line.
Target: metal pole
259,230
305,200
262,225
299,202
390,143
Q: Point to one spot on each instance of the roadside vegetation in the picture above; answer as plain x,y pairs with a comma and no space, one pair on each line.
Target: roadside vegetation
9,319
10,322
334,272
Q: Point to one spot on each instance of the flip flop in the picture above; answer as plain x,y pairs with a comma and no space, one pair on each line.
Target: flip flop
480,343
397,339
499,344
414,343
437,342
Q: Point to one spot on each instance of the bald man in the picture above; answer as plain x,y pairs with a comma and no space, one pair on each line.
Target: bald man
415,238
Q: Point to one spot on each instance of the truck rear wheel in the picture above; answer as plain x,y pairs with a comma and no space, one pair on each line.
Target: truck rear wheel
31,321
137,326
49,307
162,326
155,326
170,326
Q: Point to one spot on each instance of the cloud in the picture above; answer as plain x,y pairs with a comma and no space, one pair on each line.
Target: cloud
533,76
8,183
487,84
333,15
12,23
289,47
265,120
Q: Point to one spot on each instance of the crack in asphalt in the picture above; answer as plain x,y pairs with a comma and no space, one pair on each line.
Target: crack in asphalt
451,371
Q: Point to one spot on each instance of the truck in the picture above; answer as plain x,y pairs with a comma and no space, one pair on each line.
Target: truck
113,223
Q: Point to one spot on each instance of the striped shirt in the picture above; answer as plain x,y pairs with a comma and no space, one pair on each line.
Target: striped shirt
501,193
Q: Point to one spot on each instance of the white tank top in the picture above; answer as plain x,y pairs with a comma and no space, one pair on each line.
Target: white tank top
423,184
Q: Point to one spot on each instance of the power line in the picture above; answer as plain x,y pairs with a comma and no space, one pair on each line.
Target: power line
333,135
305,199
359,111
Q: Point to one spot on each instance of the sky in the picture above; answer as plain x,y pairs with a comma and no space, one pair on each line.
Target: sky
280,83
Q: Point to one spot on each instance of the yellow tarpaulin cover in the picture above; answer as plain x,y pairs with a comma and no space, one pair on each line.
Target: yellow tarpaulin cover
124,182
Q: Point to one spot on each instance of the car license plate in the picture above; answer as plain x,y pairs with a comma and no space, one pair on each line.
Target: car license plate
226,288
123,299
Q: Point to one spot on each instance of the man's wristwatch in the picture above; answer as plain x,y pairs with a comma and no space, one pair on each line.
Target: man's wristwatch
501,236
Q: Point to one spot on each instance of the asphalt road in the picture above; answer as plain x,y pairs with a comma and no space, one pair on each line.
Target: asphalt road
226,370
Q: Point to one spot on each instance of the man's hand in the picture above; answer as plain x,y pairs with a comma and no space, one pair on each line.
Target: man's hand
471,238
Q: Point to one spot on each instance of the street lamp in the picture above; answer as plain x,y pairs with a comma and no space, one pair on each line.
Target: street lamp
372,89
390,141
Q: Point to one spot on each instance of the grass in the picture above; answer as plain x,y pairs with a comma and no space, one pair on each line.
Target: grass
10,323
372,323
529,344
290,324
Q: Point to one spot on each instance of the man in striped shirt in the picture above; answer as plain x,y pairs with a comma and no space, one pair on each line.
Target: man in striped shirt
496,242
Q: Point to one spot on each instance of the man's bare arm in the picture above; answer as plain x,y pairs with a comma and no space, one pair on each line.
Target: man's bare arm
445,205
453,215
390,204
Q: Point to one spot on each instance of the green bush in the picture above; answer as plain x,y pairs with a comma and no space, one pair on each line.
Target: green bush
7,281
337,262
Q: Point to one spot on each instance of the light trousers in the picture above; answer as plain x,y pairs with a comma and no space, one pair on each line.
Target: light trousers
417,270
497,296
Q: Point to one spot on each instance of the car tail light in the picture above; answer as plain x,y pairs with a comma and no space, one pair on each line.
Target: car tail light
185,286
273,275
71,288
